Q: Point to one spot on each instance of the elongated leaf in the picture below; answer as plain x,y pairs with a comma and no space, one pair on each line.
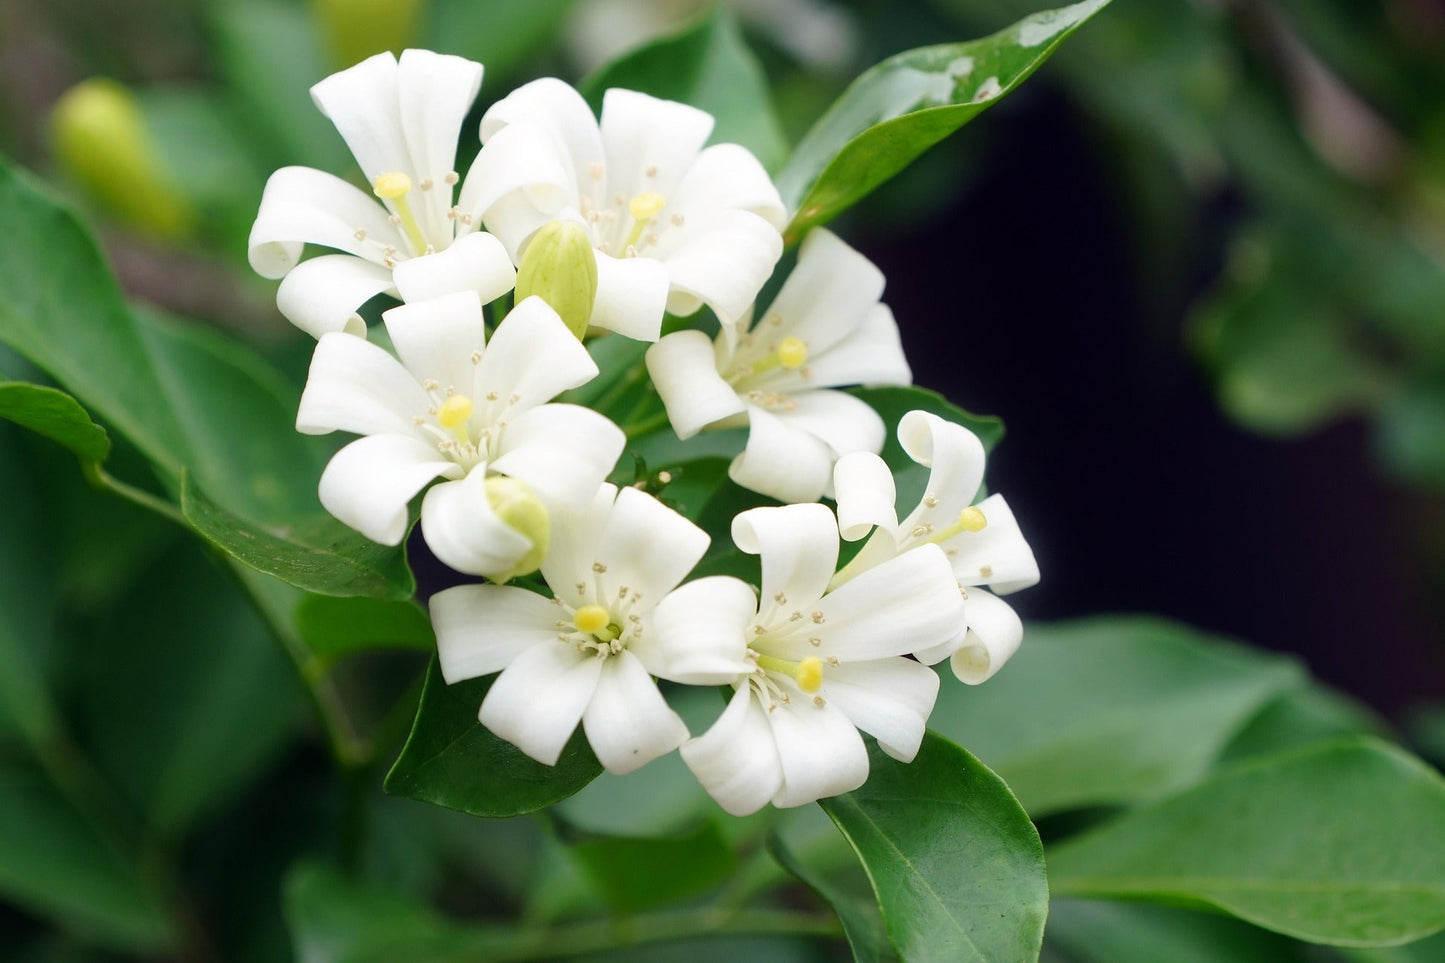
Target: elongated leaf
862,923
1338,843
708,66
337,627
452,760
55,415
957,866
1098,932
1110,710
906,104
639,874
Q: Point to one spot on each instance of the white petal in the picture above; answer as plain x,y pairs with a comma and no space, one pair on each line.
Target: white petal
871,355
863,486
304,206
537,701
830,293
368,483
684,372
650,143
555,109
994,634
362,102
480,629
727,176
628,723
464,533
322,294
696,634
907,603
474,262
647,547
998,556
563,451
631,296
844,423
737,759
519,181
576,533
799,549
722,260
434,93
781,460
436,339
532,357
955,454
356,386
821,752
890,699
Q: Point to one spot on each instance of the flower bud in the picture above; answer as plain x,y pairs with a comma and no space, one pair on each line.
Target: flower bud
560,267
356,29
101,142
515,503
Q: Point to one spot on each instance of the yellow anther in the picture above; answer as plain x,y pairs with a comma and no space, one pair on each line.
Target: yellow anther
391,185
810,674
591,619
454,412
792,353
644,207
971,520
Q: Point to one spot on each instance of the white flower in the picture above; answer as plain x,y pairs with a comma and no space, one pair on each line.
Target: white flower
401,121
982,542
675,225
825,328
457,407
588,654
811,667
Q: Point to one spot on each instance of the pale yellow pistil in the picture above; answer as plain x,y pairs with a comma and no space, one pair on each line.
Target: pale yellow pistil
644,208
453,414
808,673
394,186
596,621
791,354
969,520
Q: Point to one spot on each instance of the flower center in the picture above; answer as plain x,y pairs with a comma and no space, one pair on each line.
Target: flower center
624,226
808,672
604,624
394,186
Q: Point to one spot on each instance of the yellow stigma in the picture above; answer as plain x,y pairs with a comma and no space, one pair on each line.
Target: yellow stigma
792,353
644,207
971,520
392,185
591,619
454,412
809,674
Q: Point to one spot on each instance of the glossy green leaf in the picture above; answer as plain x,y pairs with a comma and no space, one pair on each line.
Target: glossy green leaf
55,415
635,874
899,108
1298,718
708,66
337,627
1110,710
862,922
1100,932
451,760
955,863
1335,843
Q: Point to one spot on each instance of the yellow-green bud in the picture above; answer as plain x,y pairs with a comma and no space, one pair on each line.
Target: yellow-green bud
356,29
517,505
101,142
560,267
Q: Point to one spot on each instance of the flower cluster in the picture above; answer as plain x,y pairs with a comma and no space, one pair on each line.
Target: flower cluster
585,227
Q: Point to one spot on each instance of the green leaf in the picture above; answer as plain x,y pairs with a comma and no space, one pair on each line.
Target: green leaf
503,36
710,67
635,874
1095,932
1110,710
452,760
1298,718
956,865
55,415
334,628
1338,843
899,108
862,922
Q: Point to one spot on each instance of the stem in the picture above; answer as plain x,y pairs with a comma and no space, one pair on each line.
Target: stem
101,478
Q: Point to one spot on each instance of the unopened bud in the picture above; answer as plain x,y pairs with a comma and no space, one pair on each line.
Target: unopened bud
515,503
560,267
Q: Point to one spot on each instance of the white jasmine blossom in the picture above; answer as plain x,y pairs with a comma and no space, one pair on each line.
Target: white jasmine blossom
463,408
589,653
826,328
406,237
675,225
810,666
982,542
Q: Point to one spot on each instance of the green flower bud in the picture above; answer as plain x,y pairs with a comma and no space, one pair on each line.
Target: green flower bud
101,142
560,267
517,505
356,29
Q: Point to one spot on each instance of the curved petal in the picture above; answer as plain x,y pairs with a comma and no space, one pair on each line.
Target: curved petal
480,629
368,483
737,759
631,296
956,456
890,699
532,357
729,177
871,355
994,635
558,111
563,451
576,534
647,547
722,260
781,460
474,262
362,102
799,549
520,180
628,722
684,372
322,294
829,294
820,751
434,93
353,385
537,701
696,633
998,556
304,206
437,339
842,422
864,489
907,603
462,531
650,143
